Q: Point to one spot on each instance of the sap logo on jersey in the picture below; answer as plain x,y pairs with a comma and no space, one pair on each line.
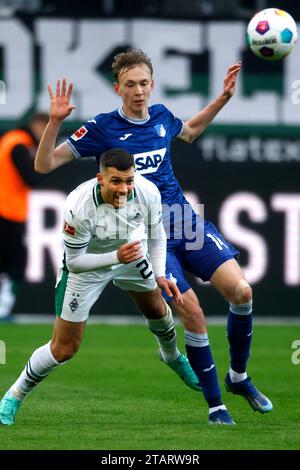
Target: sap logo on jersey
149,162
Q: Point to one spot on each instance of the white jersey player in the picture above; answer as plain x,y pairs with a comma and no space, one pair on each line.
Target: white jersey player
96,233
107,224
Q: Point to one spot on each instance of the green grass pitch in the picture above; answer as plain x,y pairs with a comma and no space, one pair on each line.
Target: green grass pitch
116,394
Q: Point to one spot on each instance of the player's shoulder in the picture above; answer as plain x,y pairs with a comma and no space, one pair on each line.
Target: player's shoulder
81,200
158,109
104,117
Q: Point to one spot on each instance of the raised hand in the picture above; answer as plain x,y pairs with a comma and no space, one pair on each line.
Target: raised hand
230,79
60,106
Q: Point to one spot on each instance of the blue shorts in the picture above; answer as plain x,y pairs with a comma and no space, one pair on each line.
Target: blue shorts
201,262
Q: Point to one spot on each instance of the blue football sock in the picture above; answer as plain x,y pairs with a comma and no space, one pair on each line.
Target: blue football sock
201,360
239,331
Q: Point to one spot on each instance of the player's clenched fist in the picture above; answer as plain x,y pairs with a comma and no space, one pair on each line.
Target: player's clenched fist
130,252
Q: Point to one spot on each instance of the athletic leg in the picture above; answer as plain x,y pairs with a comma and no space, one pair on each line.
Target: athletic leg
74,296
200,355
65,342
160,322
195,332
197,261
229,280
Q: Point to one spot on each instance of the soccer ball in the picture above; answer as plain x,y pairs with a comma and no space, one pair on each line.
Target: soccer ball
272,34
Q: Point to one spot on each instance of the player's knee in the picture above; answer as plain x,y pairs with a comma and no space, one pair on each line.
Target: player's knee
154,311
64,352
243,293
156,308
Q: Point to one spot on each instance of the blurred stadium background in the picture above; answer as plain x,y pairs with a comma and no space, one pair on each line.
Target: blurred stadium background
244,169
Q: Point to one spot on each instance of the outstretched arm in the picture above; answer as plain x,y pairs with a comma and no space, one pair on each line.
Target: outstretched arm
48,157
79,261
197,124
157,245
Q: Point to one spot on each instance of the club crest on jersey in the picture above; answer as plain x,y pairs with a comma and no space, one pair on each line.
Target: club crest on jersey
79,133
137,218
69,229
134,215
161,131
149,162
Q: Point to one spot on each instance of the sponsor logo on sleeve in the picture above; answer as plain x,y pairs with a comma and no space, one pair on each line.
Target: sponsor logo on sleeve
79,133
69,229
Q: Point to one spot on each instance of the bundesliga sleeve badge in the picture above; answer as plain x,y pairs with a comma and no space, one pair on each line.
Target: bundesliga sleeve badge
79,133
69,229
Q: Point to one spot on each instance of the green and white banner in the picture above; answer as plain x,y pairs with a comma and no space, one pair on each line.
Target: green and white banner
190,60
244,169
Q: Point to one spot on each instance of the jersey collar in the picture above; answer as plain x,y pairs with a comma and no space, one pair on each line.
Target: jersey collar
133,120
98,199
97,195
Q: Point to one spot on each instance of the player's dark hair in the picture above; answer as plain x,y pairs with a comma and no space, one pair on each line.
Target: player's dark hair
128,59
116,158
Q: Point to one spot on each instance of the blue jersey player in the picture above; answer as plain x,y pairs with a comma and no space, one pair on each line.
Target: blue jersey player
147,132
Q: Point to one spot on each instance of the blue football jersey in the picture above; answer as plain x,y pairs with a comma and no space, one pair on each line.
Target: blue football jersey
149,140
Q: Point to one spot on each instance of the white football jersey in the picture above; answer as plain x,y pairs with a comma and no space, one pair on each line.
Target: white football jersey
90,222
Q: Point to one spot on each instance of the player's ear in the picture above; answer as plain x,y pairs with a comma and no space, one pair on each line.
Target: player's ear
152,84
116,87
99,178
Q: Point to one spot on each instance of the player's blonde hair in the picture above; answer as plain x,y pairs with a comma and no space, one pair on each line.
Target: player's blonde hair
128,59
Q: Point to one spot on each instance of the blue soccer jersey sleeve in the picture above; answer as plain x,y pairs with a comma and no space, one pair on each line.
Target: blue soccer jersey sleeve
175,124
87,141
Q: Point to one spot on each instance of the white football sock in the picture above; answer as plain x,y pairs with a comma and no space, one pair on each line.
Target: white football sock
165,333
216,408
236,376
37,368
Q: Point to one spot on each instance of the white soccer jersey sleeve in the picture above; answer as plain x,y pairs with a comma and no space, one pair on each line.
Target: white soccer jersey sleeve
77,235
157,240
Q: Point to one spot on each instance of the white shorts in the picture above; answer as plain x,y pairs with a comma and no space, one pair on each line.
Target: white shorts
75,294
